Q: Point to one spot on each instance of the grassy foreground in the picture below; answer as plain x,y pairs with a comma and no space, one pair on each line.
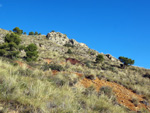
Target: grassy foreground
24,92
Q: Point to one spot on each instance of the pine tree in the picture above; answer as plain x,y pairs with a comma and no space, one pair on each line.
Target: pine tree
126,61
11,46
31,52
17,30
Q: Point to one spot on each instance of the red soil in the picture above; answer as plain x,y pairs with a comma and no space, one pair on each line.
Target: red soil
124,96
74,61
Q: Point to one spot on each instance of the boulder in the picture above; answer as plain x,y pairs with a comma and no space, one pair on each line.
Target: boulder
59,38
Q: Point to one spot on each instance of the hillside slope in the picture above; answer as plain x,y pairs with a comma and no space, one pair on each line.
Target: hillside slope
60,81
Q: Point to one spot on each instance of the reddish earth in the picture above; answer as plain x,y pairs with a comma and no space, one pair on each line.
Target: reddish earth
74,61
124,96
78,74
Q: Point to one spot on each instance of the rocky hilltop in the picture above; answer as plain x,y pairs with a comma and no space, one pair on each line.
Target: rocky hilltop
59,42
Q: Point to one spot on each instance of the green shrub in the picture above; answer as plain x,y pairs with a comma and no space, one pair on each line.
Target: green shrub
36,33
31,52
88,64
11,46
99,58
52,67
2,52
31,33
69,51
39,34
21,47
126,61
12,38
52,31
18,31
56,67
91,52
90,90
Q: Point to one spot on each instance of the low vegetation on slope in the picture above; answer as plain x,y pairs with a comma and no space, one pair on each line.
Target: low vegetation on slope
26,91
69,78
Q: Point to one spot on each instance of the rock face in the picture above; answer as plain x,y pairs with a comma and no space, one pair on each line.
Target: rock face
62,39
58,38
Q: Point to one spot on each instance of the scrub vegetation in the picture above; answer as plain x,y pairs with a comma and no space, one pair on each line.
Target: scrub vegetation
45,77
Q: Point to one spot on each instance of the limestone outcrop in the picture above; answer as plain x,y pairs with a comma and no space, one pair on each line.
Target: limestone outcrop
62,39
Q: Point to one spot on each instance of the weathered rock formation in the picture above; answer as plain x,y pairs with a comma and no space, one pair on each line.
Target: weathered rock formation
62,39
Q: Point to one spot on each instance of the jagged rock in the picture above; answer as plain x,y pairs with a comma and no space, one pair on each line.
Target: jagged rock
58,38
62,39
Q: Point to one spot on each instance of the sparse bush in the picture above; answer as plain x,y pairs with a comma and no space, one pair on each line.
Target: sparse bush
90,90
69,51
126,61
31,33
52,31
56,67
39,34
106,90
101,76
52,67
91,52
36,33
99,58
18,31
88,64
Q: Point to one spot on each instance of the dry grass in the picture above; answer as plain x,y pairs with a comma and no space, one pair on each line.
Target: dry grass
51,91
35,93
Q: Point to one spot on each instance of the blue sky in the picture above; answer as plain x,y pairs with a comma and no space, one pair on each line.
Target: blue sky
117,27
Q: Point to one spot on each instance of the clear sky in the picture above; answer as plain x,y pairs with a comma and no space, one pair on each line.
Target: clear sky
117,27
